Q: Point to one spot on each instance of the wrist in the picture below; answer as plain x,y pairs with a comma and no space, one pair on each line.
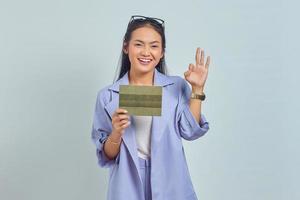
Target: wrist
115,137
197,89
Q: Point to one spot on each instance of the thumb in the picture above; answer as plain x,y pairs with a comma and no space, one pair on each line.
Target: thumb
187,73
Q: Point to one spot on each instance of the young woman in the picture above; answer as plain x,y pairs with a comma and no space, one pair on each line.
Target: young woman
145,154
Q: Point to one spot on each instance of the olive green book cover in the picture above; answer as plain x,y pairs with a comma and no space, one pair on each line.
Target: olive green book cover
141,100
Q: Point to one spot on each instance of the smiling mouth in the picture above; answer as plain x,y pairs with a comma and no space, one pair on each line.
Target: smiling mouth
144,61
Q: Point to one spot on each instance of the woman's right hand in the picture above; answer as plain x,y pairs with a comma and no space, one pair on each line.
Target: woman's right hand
120,121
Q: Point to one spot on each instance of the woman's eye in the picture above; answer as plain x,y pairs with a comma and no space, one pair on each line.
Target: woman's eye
154,46
137,44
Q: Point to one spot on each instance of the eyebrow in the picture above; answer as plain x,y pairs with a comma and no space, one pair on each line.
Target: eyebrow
144,42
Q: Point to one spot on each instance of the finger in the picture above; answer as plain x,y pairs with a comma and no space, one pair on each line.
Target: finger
207,62
123,116
202,57
197,57
187,73
125,125
121,130
123,121
193,68
121,111
121,126
117,118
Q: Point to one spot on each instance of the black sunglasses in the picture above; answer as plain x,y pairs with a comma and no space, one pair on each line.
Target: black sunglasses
140,18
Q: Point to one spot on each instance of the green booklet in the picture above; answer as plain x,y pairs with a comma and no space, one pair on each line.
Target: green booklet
141,100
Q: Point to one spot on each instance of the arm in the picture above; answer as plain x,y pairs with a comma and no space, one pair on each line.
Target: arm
112,145
120,121
195,104
196,75
191,122
105,132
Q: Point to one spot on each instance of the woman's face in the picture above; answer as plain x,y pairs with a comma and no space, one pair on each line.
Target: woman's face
144,49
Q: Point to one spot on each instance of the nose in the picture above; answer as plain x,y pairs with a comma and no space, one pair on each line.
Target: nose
146,51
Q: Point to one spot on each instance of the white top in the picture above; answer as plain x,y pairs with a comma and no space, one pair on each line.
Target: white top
143,135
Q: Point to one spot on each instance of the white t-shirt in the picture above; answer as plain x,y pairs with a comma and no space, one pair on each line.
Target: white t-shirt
143,135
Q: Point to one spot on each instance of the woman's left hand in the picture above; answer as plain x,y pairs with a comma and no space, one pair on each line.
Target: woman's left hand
196,75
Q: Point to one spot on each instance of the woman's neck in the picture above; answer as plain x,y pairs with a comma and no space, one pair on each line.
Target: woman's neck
140,79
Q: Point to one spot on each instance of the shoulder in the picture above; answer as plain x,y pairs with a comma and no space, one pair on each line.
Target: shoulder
178,88
104,94
179,82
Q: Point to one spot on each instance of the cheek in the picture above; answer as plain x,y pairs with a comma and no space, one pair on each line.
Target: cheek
159,54
133,51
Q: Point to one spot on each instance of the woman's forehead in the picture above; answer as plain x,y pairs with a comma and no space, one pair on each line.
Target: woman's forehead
145,34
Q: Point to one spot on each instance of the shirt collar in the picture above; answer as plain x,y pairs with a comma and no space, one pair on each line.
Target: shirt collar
159,80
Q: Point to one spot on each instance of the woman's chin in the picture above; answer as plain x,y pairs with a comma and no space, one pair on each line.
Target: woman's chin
144,69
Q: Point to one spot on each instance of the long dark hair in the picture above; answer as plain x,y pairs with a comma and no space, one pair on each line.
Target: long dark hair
133,25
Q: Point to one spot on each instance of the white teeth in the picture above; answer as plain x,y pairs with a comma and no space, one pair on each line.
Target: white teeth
144,60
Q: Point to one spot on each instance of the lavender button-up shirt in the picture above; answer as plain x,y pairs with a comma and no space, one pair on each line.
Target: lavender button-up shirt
170,178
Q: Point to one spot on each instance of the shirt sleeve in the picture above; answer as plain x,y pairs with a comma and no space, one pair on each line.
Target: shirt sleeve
188,127
101,129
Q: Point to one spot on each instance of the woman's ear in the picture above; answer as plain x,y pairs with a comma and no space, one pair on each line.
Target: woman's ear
125,48
162,55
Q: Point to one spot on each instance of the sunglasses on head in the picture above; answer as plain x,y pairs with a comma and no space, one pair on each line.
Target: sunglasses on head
140,18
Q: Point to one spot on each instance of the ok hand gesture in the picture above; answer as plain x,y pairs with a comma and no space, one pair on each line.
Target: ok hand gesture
197,73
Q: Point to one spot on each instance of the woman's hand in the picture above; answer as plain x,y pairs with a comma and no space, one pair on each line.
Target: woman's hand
120,121
196,74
